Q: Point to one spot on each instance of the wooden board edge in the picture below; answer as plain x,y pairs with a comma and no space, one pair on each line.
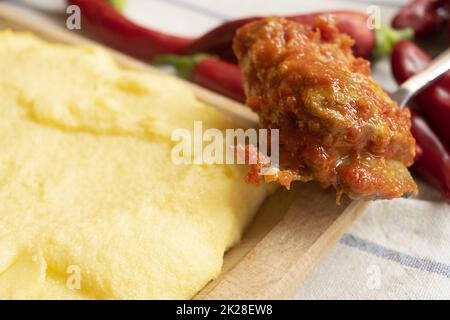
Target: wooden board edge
281,282
298,273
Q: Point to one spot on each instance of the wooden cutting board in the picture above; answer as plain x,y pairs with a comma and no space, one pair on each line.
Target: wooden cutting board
292,230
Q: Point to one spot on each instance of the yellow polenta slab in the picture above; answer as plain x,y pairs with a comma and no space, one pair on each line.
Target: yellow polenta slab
91,205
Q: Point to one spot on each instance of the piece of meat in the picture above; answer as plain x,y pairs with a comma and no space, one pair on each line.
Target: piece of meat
337,125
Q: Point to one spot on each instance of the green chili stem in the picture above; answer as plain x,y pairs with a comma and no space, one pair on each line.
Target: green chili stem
118,4
184,65
386,38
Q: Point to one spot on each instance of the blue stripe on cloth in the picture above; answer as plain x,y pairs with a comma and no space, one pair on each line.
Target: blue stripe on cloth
196,8
392,255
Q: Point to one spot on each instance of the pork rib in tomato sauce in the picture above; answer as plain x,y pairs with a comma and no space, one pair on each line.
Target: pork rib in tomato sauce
337,125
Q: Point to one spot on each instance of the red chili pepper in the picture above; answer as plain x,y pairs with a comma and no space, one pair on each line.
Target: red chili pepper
424,16
218,41
220,76
112,28
407,60
434,163
419,152
209,72
448,30
352,23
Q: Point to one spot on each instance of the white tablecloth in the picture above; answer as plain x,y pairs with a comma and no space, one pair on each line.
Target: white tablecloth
398,249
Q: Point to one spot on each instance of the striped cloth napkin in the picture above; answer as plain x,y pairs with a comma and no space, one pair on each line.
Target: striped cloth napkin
398,249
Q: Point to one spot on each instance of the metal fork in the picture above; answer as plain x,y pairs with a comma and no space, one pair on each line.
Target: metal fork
414,85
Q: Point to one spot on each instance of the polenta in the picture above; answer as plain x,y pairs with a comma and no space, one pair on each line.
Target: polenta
91,205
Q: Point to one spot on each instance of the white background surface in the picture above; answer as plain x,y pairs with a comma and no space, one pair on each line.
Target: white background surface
192,17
